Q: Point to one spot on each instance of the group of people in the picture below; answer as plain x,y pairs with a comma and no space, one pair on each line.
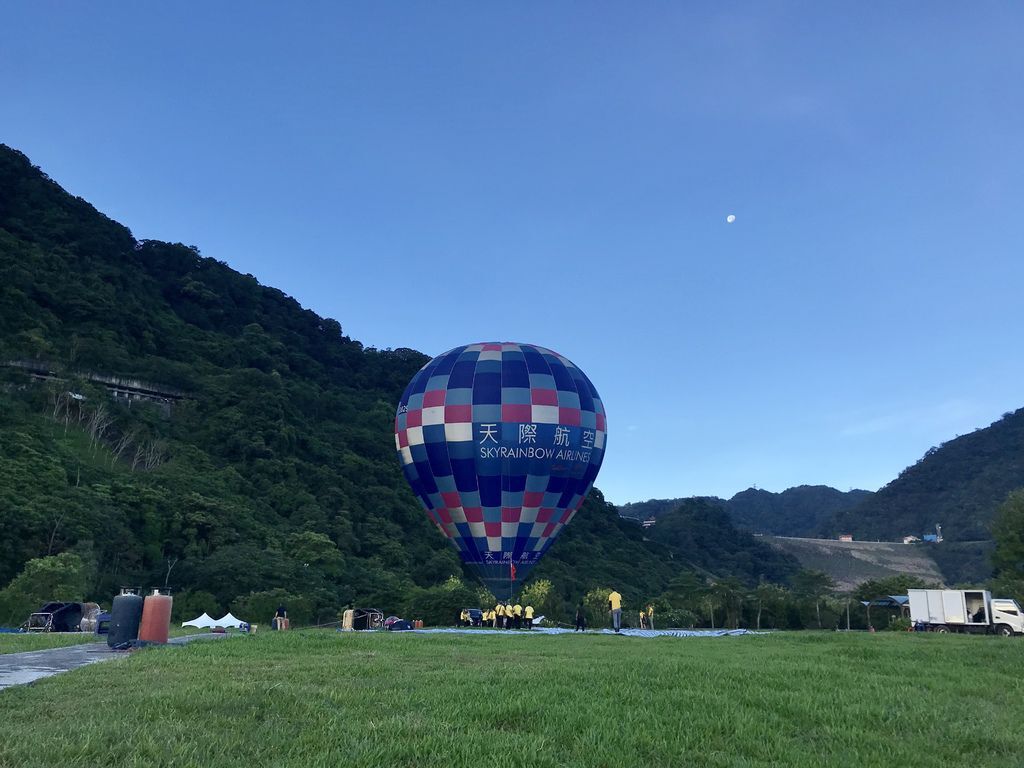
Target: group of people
505,615
508,616
647,618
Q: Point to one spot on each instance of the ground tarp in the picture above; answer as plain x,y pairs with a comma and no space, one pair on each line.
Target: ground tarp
623,633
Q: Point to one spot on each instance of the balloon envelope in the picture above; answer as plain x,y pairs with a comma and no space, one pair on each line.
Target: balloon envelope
501,442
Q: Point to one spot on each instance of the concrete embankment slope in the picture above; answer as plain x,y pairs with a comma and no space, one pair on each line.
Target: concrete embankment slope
851,562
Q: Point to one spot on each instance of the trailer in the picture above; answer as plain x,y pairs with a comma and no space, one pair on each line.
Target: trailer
964,610
56,617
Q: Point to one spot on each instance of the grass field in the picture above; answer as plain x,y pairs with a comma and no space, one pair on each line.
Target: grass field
320,698
16,643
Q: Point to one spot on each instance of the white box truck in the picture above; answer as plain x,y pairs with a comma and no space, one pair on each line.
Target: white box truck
964,610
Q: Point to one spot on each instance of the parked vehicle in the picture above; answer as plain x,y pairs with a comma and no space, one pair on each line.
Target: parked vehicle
964,610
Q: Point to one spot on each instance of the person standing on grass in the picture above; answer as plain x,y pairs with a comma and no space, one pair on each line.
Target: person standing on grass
499,616
650,617
643,620
581,618
528,613
517,615
281,617
615,608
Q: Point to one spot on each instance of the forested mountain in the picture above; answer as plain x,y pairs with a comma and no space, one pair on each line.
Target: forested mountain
794,512
799,511
959,485
264,471
700,535
278,456
644,510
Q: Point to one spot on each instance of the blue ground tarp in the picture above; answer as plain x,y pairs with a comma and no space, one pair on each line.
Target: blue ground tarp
561,631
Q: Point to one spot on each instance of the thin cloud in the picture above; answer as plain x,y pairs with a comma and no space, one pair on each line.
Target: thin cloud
949,413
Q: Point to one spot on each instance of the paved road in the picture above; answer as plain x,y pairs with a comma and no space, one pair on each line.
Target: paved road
20,668
26,667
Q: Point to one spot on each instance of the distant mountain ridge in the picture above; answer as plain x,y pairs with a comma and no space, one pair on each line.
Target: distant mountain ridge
958,484
799,511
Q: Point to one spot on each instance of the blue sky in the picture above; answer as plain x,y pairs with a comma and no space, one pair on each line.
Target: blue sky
560,173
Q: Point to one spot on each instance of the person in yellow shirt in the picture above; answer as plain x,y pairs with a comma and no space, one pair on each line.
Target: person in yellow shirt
615,607
499,616
650,617
643,620
517,615
464,618
528,613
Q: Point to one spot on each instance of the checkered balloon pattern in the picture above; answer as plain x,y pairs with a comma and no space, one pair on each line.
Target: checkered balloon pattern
501,443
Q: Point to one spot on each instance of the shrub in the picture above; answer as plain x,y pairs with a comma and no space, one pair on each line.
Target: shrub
901,624
59,577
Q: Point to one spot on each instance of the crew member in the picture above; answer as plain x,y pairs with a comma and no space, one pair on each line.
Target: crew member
581,618
528,613
615,608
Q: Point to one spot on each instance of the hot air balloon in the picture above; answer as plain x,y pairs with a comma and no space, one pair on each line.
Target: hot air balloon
501,442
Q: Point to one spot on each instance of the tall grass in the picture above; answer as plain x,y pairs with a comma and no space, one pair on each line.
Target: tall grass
329,699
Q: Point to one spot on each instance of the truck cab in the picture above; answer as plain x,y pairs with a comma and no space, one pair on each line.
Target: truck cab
1007,617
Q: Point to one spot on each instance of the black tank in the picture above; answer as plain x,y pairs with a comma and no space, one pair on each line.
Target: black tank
125,616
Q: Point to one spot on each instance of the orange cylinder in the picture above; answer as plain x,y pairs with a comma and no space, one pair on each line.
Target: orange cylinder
156,618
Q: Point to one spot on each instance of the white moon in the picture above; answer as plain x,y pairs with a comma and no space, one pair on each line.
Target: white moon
730,219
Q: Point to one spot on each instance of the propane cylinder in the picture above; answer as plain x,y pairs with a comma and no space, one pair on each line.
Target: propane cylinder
125,615
156,618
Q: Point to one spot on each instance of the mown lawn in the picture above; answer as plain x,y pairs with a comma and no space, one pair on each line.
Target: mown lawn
16,643
327,699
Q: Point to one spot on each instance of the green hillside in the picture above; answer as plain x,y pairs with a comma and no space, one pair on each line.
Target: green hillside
701,535
959,485
793,512
259,466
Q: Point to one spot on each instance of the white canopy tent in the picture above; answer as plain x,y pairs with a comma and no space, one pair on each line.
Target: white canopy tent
205,622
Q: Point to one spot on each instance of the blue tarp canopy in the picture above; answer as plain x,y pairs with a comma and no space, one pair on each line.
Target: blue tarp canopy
887,601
